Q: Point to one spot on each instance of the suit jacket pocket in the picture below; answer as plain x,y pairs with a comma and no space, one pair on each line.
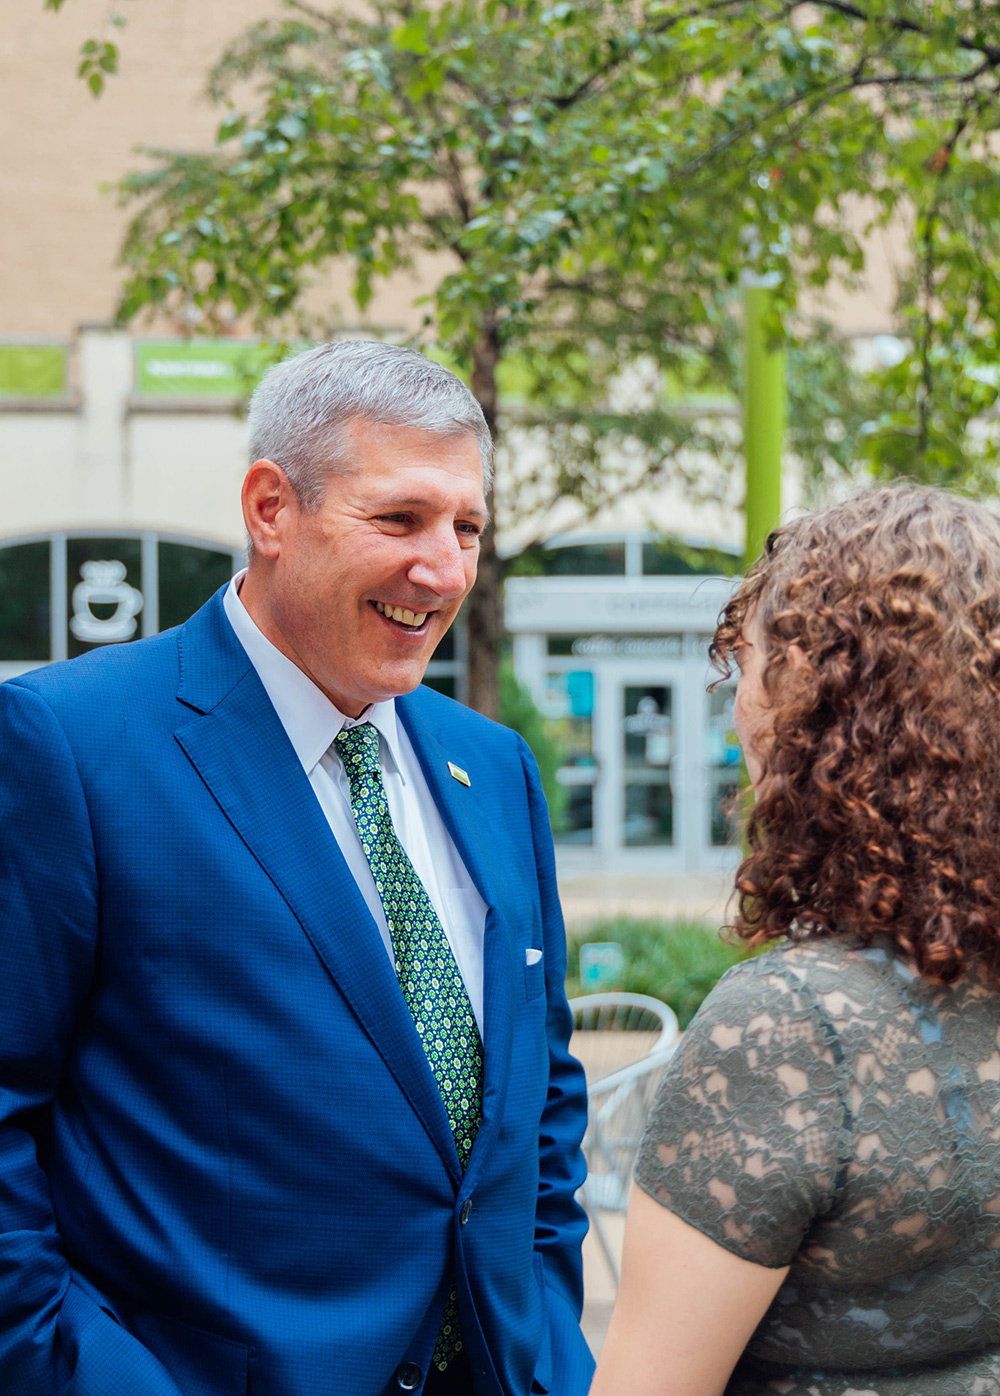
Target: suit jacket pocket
534,979
96,1355
202,1364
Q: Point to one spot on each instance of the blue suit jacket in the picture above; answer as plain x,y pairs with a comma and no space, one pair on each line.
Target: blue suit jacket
224,1163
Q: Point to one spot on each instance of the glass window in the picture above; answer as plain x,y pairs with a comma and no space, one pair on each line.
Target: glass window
568,711
584,560
648,739
725,766
105,598
669,558
445,651
576,818
25,618
441,683
189,575
570,560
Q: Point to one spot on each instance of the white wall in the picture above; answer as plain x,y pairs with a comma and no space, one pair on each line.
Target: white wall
102,459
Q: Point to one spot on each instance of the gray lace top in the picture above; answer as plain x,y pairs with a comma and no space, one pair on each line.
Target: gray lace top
830,1111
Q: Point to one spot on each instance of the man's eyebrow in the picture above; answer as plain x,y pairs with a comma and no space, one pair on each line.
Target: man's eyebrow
390,506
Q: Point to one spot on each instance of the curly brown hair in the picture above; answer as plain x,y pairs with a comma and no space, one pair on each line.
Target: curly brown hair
878,807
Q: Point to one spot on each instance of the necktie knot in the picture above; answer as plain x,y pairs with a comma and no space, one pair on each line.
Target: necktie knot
358,749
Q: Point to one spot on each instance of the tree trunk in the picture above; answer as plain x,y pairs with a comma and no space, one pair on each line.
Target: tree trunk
484,608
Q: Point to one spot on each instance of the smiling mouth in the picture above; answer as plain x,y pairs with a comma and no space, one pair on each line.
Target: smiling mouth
406,619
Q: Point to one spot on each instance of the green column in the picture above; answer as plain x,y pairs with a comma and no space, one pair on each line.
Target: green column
763,416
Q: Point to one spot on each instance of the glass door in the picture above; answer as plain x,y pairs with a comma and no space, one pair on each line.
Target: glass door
647,713
668,767
647,728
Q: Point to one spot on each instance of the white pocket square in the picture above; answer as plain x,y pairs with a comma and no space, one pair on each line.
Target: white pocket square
532,956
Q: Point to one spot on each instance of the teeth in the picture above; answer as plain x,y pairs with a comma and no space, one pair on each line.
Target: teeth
400,614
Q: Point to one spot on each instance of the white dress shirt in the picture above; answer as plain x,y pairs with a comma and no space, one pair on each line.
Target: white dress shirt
312,722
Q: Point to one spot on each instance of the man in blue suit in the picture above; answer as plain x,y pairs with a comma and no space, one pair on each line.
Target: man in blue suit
286,1107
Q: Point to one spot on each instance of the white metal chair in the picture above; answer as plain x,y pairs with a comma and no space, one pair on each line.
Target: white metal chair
624,1041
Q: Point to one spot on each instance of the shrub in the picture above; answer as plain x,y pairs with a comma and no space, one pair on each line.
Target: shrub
675,961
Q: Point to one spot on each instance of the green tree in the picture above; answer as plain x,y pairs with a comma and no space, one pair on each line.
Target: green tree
795,129
596,176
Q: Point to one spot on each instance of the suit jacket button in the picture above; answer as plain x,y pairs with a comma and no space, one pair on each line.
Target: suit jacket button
466,1211
408,1376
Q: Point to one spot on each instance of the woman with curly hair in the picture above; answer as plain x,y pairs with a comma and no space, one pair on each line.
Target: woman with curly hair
818,1200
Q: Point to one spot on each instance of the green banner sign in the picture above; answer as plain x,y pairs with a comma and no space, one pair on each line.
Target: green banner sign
34,370
221,368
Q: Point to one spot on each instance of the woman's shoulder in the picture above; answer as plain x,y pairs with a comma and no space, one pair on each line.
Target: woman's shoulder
749,1126
831,978
824,957
796,961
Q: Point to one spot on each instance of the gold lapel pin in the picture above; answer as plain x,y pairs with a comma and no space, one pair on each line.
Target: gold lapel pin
458,774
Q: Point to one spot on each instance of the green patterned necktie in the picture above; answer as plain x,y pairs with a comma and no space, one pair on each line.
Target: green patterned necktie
434,990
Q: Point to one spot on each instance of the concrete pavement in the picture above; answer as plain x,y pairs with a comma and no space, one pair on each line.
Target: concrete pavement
592,896
598,1285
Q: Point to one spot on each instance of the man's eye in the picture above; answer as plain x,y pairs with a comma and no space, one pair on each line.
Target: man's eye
473,530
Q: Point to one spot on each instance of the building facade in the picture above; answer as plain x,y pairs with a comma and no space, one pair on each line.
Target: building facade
122,454
618,665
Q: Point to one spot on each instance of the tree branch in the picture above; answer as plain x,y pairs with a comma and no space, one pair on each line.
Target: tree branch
569,99
323,17
903,26
437,223
852,83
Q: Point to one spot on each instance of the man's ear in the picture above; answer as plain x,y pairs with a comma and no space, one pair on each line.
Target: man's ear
267,497
797,660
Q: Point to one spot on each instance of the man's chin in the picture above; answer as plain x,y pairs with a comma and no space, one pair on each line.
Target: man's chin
412,680
397,679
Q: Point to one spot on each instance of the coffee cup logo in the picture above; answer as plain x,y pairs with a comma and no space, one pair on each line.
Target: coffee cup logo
104,584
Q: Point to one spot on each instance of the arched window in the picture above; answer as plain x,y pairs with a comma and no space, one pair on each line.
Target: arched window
62,594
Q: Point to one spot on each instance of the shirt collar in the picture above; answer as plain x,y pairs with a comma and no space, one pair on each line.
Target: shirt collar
306,713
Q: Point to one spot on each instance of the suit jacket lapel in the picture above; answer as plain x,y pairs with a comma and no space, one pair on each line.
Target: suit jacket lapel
243,755
474,830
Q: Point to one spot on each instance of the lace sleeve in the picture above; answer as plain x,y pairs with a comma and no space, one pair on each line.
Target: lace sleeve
746,1136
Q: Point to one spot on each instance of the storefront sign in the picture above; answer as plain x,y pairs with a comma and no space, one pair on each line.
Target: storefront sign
602,966
103,584
648,719
619,606
226,368
629,646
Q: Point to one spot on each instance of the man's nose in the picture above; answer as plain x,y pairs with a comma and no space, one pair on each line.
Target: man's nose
441,565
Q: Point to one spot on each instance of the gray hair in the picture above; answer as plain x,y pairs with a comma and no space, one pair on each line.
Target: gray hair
300,408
